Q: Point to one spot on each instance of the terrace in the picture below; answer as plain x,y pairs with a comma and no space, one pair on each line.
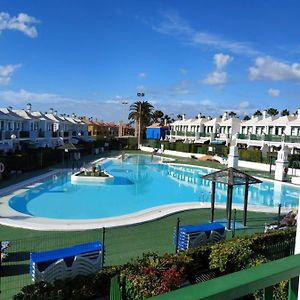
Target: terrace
121,244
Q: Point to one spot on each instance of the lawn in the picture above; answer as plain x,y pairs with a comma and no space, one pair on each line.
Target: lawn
122,244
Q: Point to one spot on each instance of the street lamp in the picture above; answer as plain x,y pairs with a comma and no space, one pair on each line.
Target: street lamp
140,95
123,125
13,138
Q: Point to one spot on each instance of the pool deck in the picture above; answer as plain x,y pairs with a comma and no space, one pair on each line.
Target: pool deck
11,217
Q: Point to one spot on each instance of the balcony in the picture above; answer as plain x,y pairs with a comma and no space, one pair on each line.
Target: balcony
24,134
291,139
243,136
273,138
270,138
7,134
41,134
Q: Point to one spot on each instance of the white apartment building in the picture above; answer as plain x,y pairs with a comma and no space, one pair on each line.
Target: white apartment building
261,132
204,130
20,127
270,131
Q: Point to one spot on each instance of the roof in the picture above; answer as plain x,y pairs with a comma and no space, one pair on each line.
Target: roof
250,122
229,122
25,114
157,125
265,121
41,116
212,122
10,115
65,252
231,176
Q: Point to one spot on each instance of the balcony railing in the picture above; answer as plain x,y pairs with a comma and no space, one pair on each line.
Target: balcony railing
24,134
245,282
270,138
188,133
292,139
273,138
243,136
41,134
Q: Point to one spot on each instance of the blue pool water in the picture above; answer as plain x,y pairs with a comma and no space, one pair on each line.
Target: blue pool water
140,182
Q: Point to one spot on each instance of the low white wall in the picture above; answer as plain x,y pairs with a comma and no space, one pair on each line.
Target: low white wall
242,163
174,153
255,165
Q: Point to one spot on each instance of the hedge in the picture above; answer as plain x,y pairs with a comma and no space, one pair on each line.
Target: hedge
251,155
155,274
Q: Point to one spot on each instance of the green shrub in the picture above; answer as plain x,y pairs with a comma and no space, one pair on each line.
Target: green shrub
80,287
250,155
154,274
203,149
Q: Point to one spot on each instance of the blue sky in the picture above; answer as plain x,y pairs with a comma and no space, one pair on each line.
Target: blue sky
191,56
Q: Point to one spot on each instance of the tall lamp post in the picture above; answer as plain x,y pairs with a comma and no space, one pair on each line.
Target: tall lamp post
140,95
13,138
123,126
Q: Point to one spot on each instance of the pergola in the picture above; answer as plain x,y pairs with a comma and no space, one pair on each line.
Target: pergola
230,177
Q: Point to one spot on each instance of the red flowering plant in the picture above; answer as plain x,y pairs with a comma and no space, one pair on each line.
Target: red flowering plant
153,275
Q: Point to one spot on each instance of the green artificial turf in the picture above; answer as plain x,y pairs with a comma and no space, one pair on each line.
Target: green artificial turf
121,244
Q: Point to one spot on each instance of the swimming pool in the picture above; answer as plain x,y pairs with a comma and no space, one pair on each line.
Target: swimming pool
140,182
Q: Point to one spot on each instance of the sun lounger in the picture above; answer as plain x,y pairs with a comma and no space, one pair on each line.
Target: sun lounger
64,263
5,245
289,220
4,257
191,236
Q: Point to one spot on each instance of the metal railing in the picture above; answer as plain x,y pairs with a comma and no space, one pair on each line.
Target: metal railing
245,282
24,134
115,289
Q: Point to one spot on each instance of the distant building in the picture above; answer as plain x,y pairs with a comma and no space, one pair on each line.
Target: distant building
107,129
156,131
22,128
262,132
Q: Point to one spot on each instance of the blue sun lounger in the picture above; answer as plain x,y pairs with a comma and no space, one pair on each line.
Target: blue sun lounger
191,236
82,259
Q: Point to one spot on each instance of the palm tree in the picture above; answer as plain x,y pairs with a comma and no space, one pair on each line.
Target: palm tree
232,114
246,118
285,112
258,113
158,116
141,111
168,119
272,111
179,117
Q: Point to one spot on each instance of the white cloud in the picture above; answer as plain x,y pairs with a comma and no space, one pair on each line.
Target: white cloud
221,60
6,72
216,78
142,75
22,22
181,88
271,69
219,76
183,71
244,104
207,102
174,25
103,109
273,92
